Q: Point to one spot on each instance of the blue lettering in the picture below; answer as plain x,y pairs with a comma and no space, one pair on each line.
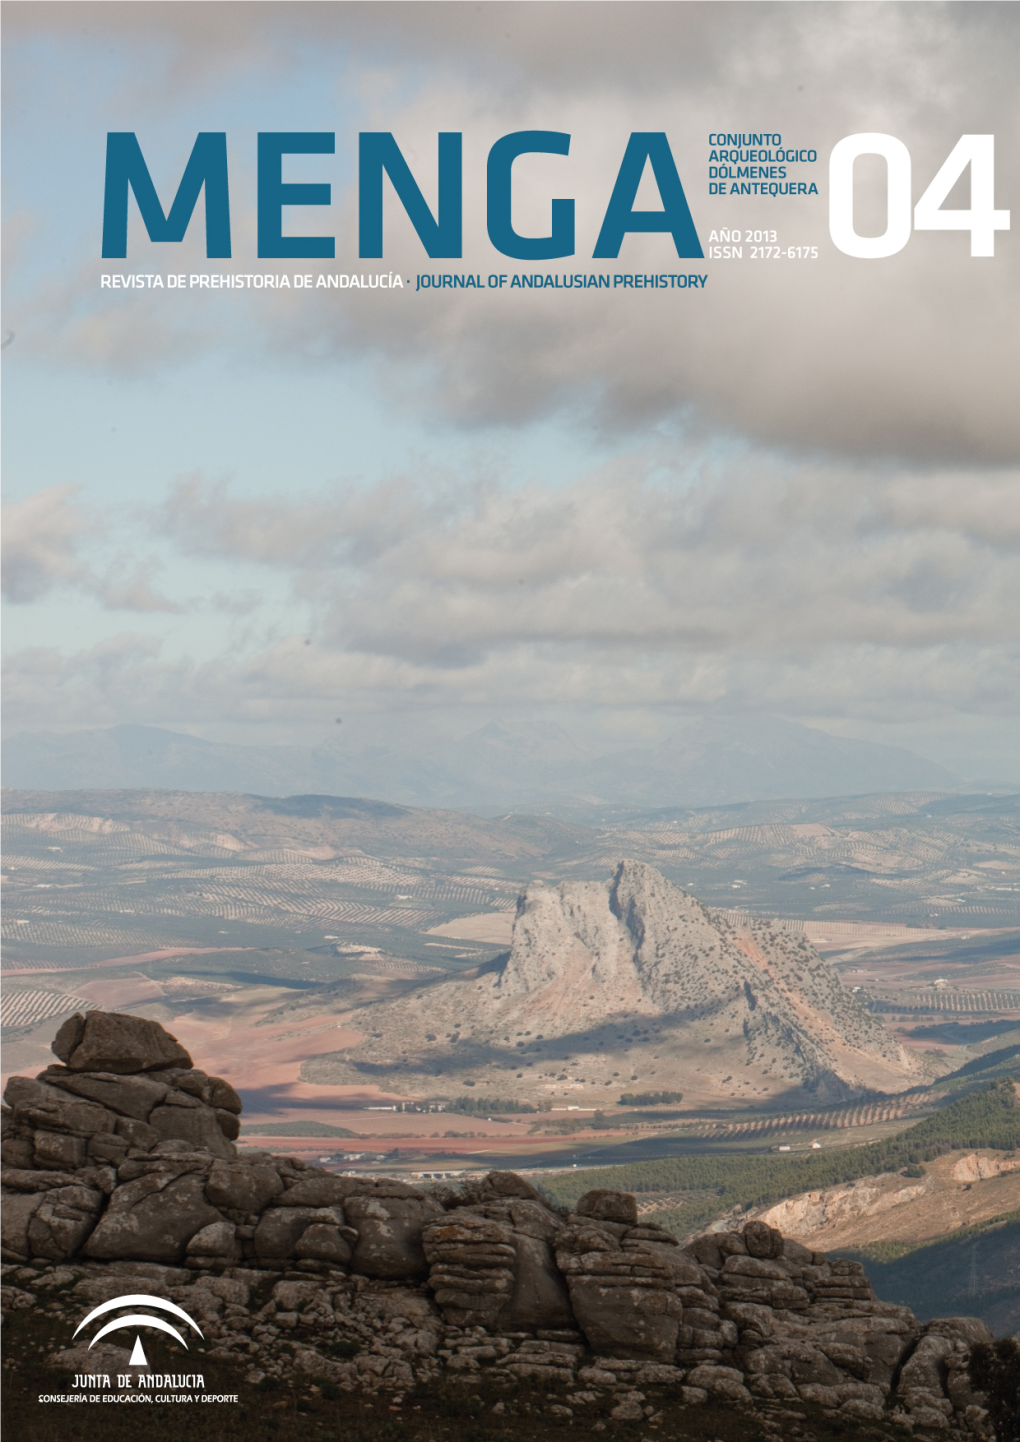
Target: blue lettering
274,195
440,235
621,217
125,166
499,218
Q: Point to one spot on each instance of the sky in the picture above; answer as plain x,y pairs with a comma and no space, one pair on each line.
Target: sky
792,490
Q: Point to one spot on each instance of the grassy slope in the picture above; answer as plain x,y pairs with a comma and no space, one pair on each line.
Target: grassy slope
1001,1062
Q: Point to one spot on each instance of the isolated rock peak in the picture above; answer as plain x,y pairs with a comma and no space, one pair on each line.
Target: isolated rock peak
637,945
631,978
619,933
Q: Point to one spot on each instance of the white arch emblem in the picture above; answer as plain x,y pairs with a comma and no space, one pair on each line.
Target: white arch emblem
138,1299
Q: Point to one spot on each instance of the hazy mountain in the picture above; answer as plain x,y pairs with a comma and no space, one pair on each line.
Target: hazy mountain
723,759
520,764
632,981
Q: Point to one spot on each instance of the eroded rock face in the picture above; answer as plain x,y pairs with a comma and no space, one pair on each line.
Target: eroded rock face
472,1259
135,1169
279,1231
153,1217
129,1096
37,1105
15,1215
198,1126
112,1126
493,1264
762,1240
216,1244
933,1381
608,1207
320,1190
624,1320
242,1187
540,1298
62,1221
390,1233
621,1286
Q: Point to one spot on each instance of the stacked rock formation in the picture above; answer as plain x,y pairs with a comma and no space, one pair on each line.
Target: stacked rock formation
120,1162
125,1152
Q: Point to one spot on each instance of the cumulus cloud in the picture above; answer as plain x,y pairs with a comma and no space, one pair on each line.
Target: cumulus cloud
40,542
706,555
906,356
43,539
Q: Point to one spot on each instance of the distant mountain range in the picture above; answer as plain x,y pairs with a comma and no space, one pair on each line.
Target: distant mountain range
514,765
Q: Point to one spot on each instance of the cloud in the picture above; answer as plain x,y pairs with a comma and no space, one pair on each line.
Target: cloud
292,686
689,579
658,553
530,43
206,519
40,540
671,576
907,356
110,682
811,508
43,537
514,44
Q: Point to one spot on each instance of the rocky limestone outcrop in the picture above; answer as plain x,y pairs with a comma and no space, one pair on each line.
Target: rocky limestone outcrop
119,1163
492,1261
640,944
639,966
623,1278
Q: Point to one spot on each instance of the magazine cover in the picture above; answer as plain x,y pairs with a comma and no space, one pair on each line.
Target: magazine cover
512,843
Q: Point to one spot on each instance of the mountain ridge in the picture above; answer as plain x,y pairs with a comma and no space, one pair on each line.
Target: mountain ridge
634,968
718,760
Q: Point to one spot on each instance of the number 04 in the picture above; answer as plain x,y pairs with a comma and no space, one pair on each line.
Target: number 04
982,219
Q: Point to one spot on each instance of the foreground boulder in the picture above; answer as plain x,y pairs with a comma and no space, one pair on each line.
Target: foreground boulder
105,1041
120,1162
621,1282
492,1262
